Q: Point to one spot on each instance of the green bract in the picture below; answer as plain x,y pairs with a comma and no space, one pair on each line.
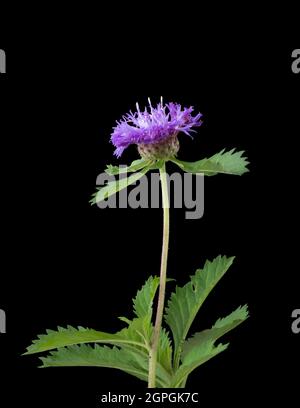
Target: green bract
230,162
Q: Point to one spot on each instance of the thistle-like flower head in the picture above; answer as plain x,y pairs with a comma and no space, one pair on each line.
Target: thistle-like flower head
155,129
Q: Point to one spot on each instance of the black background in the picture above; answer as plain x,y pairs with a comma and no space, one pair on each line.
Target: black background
64,262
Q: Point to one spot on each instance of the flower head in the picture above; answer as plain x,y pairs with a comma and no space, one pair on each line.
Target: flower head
155,129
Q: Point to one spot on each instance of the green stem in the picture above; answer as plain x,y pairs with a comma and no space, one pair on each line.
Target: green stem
163,278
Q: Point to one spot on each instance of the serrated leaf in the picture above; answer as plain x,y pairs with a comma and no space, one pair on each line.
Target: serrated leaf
201,346
130,339
133,167
204,353
139,330
142,306
88,356
230,162
70,336
221,327
142,303
127,360
164,352
185,303
233,320
115,186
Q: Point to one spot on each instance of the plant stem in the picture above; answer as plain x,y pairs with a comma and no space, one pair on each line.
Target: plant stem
163,278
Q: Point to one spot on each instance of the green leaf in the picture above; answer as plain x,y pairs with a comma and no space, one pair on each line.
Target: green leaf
142,305
134,166
130,339
164,352
87,355
201,347
70,336
201,355
115,186
143,301
185,303
226,324
221,327
139,330
125,360
231,162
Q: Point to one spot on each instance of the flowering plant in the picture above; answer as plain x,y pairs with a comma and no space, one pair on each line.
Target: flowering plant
144,348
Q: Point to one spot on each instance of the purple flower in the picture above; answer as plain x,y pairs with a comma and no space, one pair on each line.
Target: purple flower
153,126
